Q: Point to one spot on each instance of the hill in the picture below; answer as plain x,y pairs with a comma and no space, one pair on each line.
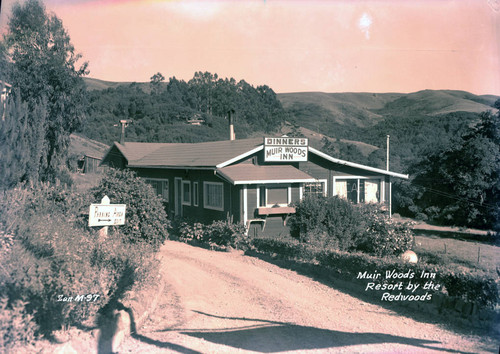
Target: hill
314,110
97,85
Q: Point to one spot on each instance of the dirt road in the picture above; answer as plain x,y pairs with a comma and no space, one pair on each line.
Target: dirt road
217,302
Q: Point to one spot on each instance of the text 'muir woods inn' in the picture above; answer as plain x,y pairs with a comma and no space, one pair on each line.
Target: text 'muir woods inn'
253,181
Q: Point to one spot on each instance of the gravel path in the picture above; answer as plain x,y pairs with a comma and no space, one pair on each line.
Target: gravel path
217,302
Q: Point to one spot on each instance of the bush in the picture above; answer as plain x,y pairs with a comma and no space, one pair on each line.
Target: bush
382,236
226,234
145,219
50,256
326,221
223,234
16,325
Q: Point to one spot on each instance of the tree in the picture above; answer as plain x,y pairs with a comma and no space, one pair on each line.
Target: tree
44,68
155,82
461,184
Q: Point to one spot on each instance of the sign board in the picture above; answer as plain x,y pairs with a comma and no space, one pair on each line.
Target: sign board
107,214
285,149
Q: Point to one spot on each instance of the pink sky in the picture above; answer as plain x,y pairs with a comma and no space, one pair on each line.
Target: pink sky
299,45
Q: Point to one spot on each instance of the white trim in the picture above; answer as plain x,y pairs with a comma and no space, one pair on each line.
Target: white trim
196,196
301,192
356,165
182,192
245,206
239,157
275,181
289,197
205,184
171,167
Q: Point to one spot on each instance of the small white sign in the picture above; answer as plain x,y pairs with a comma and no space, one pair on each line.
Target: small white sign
107,214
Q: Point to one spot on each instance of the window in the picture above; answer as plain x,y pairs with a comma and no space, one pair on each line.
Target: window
277,196
269,196
213,195
160,186
358,190
195,193
186,193
315,188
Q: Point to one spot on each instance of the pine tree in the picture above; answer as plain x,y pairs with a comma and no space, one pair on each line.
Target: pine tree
44,71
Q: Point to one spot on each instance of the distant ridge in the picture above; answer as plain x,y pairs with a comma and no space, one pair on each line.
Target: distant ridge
366,109
96,84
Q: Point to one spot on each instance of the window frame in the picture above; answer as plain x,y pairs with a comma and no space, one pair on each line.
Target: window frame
184,183
165,182
265,187
380,179
205,196
196,194
322,181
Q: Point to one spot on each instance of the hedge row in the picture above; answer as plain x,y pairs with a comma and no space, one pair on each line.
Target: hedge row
470,286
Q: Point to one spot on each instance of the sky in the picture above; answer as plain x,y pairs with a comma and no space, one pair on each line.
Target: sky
292,46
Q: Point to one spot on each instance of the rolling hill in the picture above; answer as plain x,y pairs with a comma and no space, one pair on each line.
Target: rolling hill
367,109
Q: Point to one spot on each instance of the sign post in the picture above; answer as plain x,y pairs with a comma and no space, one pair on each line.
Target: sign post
106,214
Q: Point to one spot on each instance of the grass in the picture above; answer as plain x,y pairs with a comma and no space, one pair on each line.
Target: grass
434,249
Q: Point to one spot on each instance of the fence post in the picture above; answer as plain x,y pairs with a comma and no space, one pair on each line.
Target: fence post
103,232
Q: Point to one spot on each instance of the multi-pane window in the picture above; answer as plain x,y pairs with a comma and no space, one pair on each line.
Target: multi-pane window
315,188
213,195
358,190
160,186
186,192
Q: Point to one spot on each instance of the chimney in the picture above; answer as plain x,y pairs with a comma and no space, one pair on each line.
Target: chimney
230,114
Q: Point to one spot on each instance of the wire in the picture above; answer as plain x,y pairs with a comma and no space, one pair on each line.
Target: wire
453,196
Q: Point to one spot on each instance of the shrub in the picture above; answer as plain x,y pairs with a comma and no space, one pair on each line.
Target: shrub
226,234
220,233
188,232
325,221
382,236
16,325
145,219
50,255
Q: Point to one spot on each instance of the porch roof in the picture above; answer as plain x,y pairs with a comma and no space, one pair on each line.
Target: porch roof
252,174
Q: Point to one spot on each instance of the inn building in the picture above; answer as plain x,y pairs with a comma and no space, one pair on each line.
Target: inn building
253,181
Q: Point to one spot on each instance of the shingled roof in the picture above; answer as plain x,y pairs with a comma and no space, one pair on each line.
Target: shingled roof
213,155
209,154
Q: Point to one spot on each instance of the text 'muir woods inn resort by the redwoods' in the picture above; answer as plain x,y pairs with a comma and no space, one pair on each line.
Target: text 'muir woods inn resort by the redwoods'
253,181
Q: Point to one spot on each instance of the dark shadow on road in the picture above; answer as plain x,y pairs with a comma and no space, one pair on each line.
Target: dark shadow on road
164,345
274,336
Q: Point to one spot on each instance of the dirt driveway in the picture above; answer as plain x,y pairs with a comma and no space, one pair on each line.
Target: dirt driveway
217,302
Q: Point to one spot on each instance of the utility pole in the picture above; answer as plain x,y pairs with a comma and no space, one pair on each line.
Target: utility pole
124,123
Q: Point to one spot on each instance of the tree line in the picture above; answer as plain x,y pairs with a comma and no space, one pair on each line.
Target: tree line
159,111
